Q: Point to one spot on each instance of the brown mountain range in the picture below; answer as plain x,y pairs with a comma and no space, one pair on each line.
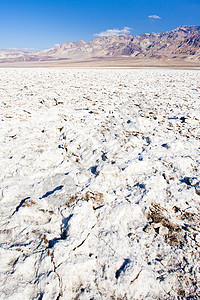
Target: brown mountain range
183,42
180,43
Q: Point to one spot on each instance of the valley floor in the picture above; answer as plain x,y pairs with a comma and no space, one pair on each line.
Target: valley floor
104,62
100,183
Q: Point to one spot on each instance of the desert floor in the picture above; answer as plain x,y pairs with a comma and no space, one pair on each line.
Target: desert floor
100,183
109,62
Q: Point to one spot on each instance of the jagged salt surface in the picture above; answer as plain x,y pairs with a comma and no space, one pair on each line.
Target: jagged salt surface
99,184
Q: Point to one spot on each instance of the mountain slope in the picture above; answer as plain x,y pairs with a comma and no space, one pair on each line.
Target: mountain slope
182,42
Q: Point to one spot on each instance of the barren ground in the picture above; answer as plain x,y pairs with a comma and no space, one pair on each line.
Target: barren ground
100,183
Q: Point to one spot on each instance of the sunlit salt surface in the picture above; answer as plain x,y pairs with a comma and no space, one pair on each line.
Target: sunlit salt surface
99,183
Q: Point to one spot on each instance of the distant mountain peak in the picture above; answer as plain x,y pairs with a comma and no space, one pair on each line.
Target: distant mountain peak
172,44
180,43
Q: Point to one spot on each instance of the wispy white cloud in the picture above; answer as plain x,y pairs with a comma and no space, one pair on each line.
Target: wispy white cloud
154,17
115,31
56,45
30,49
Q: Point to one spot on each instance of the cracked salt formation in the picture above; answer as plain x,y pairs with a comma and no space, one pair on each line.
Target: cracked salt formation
99,184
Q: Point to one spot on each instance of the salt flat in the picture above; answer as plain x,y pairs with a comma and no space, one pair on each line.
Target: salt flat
99,183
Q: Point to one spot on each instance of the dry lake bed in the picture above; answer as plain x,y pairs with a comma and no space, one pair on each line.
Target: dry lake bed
100,183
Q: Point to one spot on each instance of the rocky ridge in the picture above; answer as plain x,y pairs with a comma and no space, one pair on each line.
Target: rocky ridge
180,43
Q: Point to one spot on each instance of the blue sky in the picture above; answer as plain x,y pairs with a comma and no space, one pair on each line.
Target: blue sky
42,24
